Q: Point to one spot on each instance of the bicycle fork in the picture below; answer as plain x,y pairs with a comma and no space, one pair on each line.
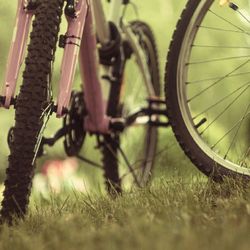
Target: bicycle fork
80,39
17,51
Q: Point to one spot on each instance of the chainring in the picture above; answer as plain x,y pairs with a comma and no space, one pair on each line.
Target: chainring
74,121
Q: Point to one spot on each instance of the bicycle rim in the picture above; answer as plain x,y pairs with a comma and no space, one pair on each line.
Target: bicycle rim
214,103
134,149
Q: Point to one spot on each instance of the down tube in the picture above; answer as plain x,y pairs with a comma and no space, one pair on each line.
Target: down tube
96,121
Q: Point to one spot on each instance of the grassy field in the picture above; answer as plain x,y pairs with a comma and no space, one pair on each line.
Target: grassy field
172,214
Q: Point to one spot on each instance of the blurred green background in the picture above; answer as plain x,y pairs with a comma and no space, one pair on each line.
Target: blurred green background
162,16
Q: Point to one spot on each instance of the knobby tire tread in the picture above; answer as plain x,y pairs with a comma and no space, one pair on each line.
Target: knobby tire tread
31,102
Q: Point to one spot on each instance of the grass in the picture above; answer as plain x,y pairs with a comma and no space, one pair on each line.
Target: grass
172,214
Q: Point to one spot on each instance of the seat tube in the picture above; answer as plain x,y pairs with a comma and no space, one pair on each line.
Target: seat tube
17,49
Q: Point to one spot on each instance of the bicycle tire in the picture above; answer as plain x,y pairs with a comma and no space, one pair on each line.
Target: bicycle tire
110,152
192,18
33,99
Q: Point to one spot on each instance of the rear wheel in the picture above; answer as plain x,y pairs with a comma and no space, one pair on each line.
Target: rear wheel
33,108
207,87
129,157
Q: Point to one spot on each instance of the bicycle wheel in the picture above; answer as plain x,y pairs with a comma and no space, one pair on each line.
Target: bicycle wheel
135,147
207,87
32,109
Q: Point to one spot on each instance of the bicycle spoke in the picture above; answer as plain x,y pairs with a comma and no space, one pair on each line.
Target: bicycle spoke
218,81
230,130
218,60
224,30
219,46
216,78
245,157
228,22
227,107
242,15
164,149
129,166
237,132
221,100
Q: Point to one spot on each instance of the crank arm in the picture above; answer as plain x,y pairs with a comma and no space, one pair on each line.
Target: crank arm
52,141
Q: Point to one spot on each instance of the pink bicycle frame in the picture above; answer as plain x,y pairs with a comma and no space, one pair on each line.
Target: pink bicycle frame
17,50
83,27
80,29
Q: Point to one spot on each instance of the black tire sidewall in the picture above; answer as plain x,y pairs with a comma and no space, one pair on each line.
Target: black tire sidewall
200,159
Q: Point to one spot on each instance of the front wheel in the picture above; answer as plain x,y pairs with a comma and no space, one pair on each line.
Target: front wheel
207,87
33,108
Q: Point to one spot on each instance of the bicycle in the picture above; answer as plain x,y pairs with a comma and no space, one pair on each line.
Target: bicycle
113,53
207,87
